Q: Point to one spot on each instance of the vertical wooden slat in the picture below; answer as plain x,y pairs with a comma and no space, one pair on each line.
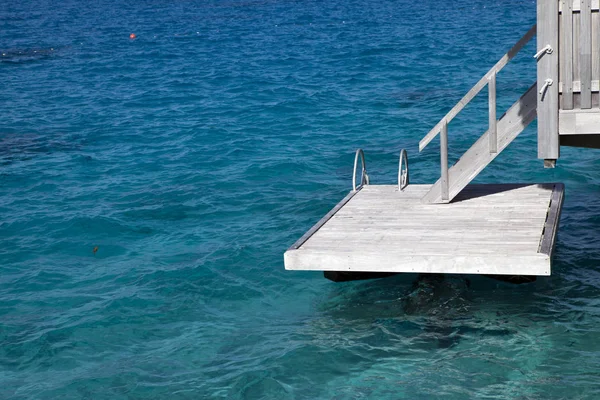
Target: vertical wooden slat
547,68
595,46
585,48
444,159
493,131
566,55
595,57
576,56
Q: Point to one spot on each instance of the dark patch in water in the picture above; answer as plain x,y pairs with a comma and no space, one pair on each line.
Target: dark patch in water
28,55
19,147
441,300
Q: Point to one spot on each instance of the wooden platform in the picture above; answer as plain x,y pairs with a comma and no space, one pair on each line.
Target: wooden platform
487,229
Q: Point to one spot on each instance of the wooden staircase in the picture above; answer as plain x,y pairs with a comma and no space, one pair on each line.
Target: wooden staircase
513,122
499,135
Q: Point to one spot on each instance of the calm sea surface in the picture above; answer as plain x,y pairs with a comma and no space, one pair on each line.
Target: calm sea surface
149,187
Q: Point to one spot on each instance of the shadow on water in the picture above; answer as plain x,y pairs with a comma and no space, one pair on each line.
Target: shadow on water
431,311
25,146
403,327
430,303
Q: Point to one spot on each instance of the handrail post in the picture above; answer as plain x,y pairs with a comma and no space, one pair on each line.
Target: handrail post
444,159
493,130
479,86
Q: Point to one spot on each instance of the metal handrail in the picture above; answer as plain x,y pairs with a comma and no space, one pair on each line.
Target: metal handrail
364,178
403,174
489,79
489,76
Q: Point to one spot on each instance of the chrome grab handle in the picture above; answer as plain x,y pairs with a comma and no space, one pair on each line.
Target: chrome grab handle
548,82
403,172
547,49
364,178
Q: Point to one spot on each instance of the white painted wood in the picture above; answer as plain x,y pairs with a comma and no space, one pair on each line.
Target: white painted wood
477,87
489,229
585,48
521,114
547,68
579,122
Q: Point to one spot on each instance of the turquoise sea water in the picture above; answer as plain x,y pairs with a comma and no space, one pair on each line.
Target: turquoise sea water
191,157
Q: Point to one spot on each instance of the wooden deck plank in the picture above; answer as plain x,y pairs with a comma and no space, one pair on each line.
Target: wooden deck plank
323,220
495,229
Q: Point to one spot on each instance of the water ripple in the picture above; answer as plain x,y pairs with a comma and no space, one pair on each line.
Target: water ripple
151,186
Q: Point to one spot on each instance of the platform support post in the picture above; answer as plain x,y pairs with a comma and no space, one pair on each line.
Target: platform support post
547,79
444,160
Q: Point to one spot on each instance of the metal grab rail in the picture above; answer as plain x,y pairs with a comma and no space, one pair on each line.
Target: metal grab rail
403,173
490,76
364,178
489,79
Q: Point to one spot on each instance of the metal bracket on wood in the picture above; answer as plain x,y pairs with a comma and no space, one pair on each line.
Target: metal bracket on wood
546,50
548,82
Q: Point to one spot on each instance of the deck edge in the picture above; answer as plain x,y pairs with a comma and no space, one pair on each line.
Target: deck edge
311,260
323,220
550,230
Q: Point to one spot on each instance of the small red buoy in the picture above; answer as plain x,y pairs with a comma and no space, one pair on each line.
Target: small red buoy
132,36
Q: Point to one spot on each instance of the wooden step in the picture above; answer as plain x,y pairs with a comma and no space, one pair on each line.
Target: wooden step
510,125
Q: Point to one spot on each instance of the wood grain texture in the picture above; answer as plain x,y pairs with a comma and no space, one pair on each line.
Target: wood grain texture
323,220
576,53
551,226
566,55
576,5
521,114
585,49
488,229
547,68
577,88
579,122
595,50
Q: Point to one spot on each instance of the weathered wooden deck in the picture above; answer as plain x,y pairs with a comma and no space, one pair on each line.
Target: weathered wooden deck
487,229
